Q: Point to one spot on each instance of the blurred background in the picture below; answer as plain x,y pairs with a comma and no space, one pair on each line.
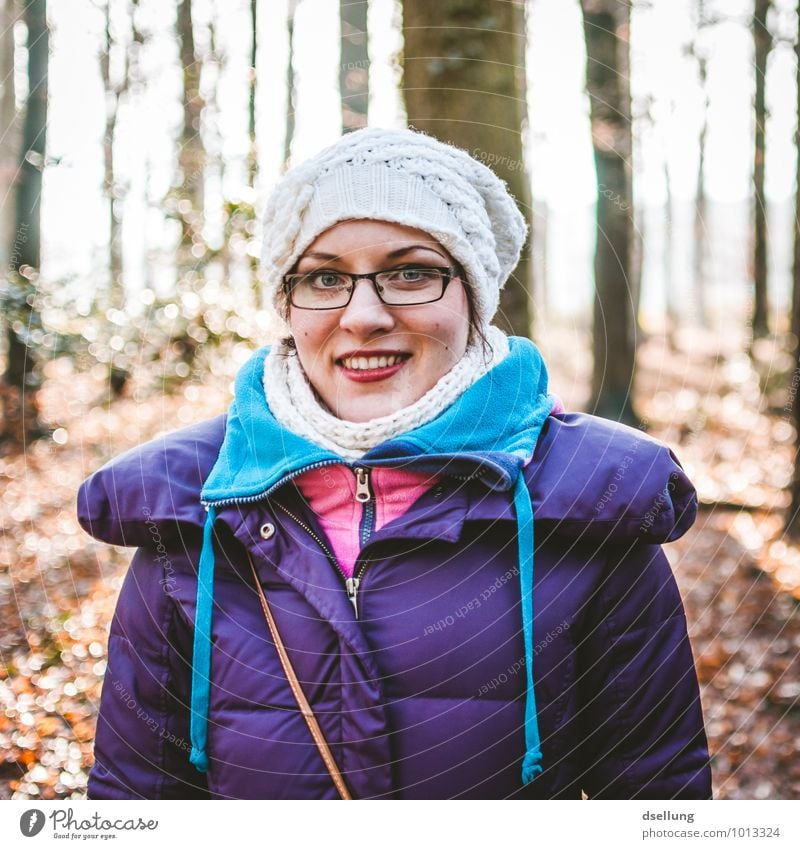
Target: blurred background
653,147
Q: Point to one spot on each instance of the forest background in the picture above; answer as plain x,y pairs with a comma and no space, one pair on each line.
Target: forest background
652,146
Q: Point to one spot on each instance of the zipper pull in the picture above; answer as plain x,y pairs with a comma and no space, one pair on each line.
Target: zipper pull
352,592
363,492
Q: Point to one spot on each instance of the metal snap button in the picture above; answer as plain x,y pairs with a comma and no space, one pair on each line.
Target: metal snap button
267,530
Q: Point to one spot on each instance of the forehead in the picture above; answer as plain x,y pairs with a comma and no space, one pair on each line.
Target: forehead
367,235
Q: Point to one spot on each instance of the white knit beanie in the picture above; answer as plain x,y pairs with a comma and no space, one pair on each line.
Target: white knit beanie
405,177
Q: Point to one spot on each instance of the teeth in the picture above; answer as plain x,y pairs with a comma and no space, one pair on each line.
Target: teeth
364,363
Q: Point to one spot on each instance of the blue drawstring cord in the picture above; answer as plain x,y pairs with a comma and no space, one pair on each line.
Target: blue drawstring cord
532,762
201,656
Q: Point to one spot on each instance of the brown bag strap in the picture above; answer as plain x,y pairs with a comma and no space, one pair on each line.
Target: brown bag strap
300,697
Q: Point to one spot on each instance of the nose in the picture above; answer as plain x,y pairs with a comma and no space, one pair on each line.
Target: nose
366,313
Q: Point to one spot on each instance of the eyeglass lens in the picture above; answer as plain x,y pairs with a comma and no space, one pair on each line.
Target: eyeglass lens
397,287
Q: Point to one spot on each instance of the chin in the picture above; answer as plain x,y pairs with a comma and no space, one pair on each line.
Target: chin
360,410
360,413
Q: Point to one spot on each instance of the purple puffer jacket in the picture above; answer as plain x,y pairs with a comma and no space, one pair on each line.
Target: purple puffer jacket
427,703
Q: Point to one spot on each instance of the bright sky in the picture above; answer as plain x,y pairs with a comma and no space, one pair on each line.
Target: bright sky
559,153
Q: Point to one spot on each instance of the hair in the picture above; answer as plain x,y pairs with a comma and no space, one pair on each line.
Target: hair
475,330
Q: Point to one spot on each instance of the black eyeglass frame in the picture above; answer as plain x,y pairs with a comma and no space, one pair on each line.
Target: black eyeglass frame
448,274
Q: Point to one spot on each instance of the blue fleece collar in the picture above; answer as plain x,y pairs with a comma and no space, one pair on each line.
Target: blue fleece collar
490,431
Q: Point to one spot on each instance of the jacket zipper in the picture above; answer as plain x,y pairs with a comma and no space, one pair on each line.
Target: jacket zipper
365,496
315,536
250,499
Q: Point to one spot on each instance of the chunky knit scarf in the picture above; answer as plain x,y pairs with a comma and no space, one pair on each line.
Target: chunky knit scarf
296,406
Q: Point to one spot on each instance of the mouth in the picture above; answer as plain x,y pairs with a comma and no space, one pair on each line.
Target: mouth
376,365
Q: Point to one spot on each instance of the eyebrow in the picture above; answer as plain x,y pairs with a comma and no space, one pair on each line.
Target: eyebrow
409,249
391,255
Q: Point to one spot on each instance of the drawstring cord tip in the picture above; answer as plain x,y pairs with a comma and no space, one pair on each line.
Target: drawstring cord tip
199,759
531,765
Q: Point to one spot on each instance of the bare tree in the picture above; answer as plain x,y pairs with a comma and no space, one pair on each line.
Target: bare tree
795,319
21,378
290,84
700,204
793,518
9,130
606,28
669,251
464,82
116,87
762,40
252,150
354,64
191,153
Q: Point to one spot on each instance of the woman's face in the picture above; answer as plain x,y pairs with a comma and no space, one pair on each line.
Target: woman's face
421,343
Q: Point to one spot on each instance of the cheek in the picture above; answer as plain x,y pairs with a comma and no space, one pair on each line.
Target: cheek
457,344
309,339
447,336
460,315
452,328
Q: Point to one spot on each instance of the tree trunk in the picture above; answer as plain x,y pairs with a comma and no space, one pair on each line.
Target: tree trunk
792,405
21,378
191,153
699,282
795,319
763,44
252,150
638,242
290,84
464,82
606,27
354,64
792,408
114,91
701,231
669,273
9,136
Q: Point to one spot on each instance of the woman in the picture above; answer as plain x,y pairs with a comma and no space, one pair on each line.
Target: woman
334,593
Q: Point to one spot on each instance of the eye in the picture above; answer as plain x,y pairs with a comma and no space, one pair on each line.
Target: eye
321,280
415,275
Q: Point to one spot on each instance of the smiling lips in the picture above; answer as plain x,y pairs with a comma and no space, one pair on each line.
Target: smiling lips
378,365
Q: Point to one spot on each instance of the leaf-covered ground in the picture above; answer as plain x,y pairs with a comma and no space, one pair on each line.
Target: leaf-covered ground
57,585
740,578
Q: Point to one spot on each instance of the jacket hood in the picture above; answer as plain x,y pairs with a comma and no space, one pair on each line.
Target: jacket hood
599,480
473,437
589,477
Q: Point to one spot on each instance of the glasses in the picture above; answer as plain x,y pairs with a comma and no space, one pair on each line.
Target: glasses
399,287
